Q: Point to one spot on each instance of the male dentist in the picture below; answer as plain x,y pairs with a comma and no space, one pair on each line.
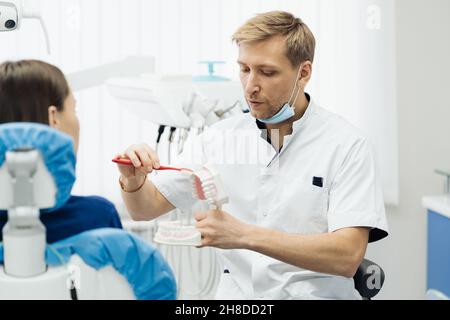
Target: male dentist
299,220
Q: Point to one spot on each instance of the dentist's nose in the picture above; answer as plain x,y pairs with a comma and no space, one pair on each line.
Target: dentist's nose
252,86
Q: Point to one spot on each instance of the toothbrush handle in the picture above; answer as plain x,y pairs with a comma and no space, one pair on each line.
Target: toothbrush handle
127,162
172,168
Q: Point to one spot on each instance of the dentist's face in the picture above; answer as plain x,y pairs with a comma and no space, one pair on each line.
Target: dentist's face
267,75
66,120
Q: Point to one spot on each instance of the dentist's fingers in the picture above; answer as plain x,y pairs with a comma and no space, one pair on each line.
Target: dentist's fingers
200,224
153,156
131,154
145,158
199,216
206,240
120,156
125,170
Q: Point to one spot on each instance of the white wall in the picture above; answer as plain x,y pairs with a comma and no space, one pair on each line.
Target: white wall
354,64
423,65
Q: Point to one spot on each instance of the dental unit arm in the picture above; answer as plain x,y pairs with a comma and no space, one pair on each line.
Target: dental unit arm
24,235
12,12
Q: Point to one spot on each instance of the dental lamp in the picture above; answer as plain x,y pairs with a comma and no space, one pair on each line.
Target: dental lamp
12,13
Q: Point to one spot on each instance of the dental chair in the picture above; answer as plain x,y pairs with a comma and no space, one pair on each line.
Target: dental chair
369,279
37,172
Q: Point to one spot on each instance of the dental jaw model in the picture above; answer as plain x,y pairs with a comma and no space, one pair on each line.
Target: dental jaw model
176,234
206,186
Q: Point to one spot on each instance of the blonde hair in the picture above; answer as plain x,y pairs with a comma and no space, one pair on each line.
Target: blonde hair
300,42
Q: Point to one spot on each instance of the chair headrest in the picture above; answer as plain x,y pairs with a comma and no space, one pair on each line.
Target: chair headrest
56,149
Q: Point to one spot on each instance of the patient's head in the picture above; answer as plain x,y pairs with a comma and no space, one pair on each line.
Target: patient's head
35,91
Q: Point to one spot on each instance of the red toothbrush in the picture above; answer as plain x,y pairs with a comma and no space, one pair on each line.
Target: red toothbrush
128,162
206,183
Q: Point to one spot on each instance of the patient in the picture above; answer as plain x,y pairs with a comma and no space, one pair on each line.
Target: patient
34,91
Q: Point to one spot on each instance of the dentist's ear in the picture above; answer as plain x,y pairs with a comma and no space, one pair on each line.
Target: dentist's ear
305,74
53,119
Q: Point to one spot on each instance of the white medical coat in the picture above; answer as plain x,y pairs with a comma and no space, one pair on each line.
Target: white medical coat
323,179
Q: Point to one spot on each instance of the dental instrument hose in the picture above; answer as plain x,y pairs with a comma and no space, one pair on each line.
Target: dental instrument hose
72,289
172,132
161,130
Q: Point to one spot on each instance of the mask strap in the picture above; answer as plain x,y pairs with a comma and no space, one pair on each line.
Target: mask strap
296,97
295,85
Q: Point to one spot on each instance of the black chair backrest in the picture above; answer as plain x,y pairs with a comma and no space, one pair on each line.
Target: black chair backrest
369,279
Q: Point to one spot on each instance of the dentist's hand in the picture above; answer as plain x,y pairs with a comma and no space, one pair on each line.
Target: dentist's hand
144,160
221,230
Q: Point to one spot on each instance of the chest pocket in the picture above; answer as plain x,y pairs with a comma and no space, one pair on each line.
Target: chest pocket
303,209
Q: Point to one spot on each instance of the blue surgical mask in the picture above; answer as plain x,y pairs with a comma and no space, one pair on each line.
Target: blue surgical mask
288,110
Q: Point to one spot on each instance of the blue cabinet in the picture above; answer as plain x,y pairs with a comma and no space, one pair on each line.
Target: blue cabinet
438,246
